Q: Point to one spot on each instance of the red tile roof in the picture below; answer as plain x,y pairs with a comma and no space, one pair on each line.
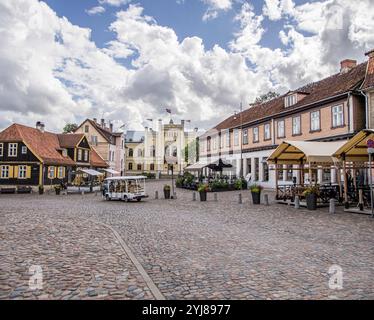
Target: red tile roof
70,140
332,86
369,79
44,145
96,160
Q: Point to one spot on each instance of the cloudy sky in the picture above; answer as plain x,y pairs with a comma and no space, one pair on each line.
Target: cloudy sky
126,60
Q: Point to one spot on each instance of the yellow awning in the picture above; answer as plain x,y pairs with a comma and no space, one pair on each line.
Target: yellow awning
355,150
300,152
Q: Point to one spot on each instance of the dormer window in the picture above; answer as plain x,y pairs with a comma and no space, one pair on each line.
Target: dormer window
64,153
290,100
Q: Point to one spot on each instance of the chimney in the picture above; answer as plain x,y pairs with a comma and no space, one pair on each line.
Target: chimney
103,123
111,127
347,65
182,123
196,129
40,126
95,120
160,125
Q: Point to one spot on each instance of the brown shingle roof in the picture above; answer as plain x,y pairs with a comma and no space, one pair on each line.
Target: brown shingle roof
369,80
45,145
96,160
329,87
69,140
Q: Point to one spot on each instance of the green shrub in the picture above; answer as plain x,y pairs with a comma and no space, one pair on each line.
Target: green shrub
256,188
203,188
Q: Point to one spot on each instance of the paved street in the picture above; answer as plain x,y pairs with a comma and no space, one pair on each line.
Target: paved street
188,250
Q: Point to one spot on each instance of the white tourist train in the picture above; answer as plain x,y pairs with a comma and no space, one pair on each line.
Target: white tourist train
125,188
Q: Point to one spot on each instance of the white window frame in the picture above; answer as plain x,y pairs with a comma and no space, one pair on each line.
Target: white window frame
24,150
236,137
22,169
85,155
79,155
283,135
245,136
267,132
337,116
12,147
296,125
4,169
256,136
1,149
315,121
290,100
228,142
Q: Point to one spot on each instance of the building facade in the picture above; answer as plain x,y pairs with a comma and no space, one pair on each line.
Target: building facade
159,151
34,157
328,110
108,144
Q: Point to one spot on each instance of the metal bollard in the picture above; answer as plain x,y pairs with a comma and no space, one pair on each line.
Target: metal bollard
82,193
194,196
156,195
297,202
266,199
361,200
332,206
240,200
215,197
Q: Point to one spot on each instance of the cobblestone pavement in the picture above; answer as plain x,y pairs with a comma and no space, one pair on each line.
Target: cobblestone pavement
191,250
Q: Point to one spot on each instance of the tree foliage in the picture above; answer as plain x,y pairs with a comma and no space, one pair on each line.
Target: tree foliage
70,127
266,97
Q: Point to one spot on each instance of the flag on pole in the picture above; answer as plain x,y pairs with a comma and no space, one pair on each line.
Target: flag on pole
168,110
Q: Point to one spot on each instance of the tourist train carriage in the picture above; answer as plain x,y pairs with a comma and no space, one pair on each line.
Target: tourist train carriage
125,188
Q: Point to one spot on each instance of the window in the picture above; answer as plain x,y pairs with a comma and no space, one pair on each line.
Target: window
236,137
139,167
267,133
265,169
130,166
227,134
140,153
337,116
22,171
315,121
61,172
175,152
64,152
245,136
51,172
222,143
289,172
86,129
280,173
86,155
208,143
5,172
153,151
215,143
296,126
94,140
24,150
257,169
152,167
281,131
290,100
1,149
255,134
131,152
79,154
12,152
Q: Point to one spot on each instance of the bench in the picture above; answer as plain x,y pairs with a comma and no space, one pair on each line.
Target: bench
7,190
22,190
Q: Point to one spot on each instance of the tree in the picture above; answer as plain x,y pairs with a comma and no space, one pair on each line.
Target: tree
266,97
191,151
70,127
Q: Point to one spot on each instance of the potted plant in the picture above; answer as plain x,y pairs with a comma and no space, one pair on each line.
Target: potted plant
41,189
167,189
311,194
203,190
256,193
58,190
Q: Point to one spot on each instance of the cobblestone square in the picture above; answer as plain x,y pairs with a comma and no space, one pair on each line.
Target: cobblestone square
88,248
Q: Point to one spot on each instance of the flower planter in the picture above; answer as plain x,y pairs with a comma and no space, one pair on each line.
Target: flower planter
256,197
167,194
203,195
311,201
